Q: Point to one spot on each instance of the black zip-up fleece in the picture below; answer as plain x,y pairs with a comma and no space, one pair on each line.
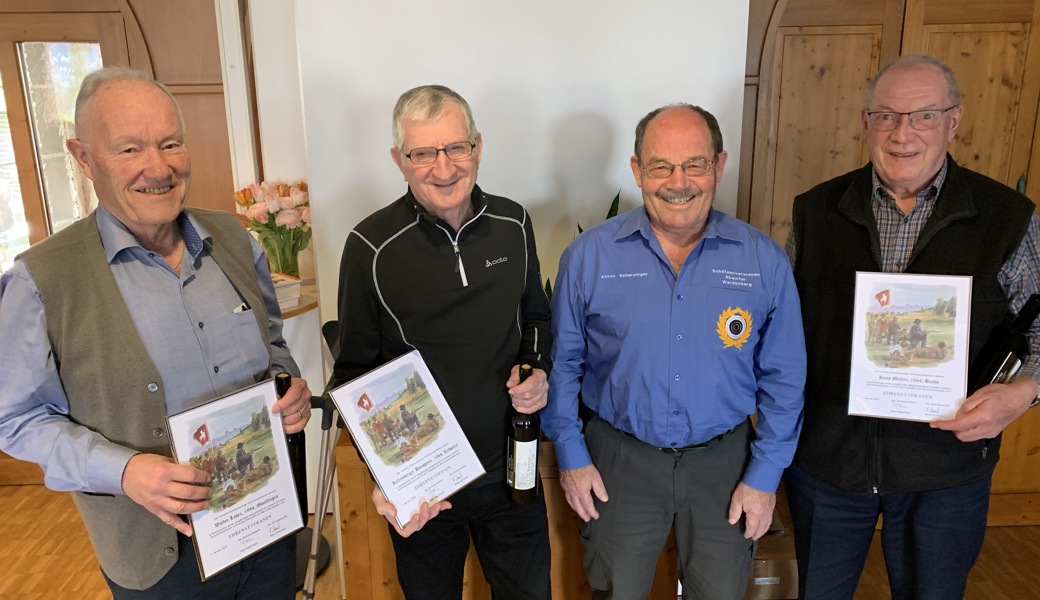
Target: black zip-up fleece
470,301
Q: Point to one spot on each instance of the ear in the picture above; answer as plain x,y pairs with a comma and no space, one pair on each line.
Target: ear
637,171
720,164
955,121
866,122
479,149
79,152
399,159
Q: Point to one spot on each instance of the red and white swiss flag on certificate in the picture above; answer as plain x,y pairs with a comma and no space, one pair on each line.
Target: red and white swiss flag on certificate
365,402
202,434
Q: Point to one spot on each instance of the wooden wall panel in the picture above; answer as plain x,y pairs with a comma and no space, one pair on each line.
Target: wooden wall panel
823,71
212,185
183,41
991,59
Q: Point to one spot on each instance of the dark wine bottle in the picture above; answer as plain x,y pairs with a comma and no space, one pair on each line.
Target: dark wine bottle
1006,348
522,452
296,447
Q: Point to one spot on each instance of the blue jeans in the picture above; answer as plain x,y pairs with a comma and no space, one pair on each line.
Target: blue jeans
930,539
267,575
512,543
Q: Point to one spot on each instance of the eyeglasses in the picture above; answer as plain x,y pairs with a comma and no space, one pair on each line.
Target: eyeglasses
694,167
428,156
921,120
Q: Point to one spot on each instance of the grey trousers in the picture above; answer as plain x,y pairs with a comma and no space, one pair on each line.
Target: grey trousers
651,491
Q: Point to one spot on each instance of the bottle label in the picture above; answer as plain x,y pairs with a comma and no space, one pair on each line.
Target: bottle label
525,465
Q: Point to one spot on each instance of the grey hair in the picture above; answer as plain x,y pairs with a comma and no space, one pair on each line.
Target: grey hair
915,61
713,126
428,102
93,81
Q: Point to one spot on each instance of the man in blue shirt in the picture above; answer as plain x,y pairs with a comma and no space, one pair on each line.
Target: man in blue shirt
139,310
675,323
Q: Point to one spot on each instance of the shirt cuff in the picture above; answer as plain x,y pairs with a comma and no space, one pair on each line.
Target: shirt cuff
762,476
107,464
573,455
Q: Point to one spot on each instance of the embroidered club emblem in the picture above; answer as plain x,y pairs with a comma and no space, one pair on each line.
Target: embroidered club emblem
734,327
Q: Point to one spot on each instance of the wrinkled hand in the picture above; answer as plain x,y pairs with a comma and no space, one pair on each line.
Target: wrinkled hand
579,485
757,506
988,411
166,489
294,406
426,512
530,396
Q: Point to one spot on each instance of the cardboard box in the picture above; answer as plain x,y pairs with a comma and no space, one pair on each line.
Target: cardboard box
774,571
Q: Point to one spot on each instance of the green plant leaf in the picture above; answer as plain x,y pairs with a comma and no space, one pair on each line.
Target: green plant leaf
614,205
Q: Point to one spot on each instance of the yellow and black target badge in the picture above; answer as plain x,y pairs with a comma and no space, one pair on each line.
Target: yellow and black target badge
734,327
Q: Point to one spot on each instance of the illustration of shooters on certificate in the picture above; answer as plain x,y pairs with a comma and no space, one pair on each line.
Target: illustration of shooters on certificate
253,501
403,426
909,346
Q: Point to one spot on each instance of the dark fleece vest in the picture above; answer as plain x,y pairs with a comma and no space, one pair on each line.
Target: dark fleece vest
976,226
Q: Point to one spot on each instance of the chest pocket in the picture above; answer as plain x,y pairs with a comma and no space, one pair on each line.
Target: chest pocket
735,319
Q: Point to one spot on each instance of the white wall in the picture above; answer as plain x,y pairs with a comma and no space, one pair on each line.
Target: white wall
556,88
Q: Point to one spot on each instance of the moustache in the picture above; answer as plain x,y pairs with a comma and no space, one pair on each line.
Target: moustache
678,196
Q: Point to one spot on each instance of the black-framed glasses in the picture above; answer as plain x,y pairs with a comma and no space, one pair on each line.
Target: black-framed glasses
428,156
921,120
695,167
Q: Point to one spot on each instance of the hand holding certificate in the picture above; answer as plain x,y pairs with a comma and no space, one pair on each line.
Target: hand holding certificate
405,430
253,501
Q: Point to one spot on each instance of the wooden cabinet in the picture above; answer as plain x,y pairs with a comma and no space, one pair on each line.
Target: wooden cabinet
808,64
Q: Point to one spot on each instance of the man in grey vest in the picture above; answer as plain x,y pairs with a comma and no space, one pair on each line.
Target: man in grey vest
142,309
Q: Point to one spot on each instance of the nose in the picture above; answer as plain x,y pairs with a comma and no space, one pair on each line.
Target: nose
442,166
156,166
903,128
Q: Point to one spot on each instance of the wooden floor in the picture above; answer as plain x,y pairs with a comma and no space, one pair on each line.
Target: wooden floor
45,554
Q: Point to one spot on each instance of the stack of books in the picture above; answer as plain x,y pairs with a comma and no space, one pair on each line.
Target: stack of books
287,290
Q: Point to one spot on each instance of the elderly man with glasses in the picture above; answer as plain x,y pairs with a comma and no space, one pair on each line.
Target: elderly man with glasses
911,209
452,271
674,323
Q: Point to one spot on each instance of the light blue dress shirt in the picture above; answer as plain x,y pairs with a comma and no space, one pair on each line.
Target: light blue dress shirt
677,360
202,347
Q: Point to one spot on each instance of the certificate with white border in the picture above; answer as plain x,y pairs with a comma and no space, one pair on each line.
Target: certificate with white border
410,439
243,447
909,346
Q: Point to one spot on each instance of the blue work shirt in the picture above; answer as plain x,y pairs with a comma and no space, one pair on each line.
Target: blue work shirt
677,360
201,345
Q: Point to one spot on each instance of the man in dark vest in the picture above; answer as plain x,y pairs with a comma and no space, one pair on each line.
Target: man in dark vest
912,209
142,309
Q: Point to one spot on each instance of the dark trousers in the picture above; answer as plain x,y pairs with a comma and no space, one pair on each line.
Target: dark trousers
267,575
930,539
651,491
512,543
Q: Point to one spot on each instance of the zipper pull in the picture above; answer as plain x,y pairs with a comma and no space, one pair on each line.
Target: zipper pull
459,267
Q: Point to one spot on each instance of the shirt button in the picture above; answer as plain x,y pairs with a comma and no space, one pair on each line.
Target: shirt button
153,387
168,552
672,444
677,378
201,326
675,412
158,433
680,297
678,336
216,369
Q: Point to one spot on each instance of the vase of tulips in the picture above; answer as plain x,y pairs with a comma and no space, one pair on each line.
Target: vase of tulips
280,214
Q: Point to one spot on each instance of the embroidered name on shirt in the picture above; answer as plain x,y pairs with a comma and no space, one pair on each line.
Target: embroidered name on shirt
621,275
492,263
737,278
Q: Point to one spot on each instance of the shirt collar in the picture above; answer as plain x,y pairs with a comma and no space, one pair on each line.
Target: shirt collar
115,237
928,194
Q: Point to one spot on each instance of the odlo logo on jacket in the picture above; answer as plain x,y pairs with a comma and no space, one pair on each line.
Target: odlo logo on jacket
492,263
